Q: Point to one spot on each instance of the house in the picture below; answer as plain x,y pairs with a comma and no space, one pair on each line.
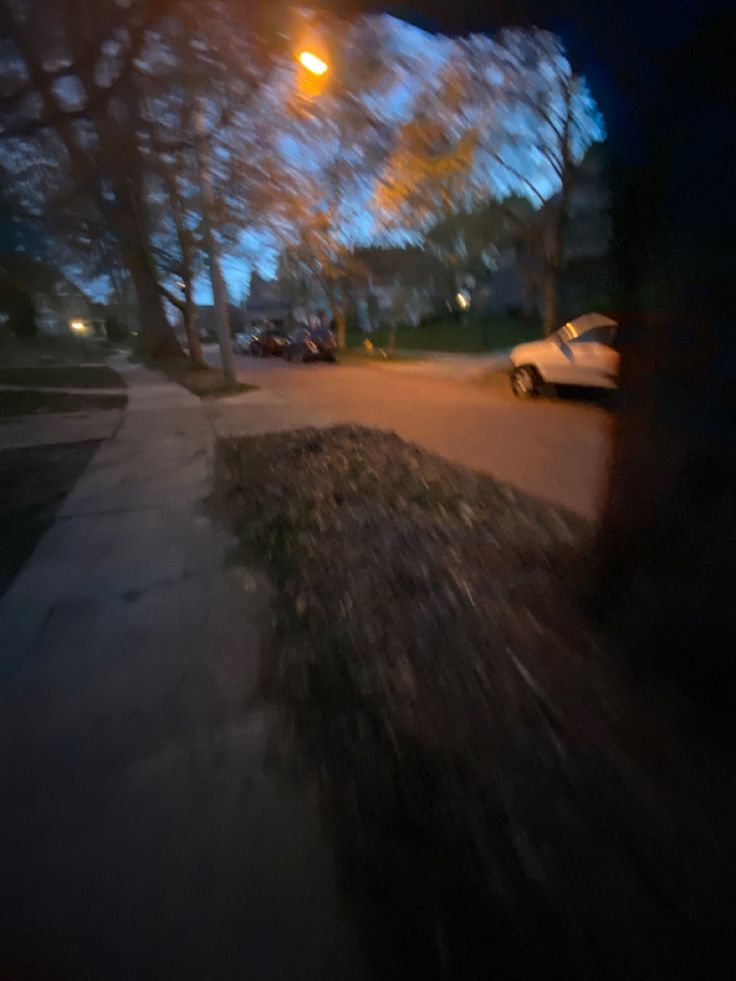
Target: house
63,305
399,285
516,281
292,297
268,301
207,321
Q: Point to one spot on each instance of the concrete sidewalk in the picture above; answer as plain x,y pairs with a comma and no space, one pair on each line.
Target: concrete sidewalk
142,836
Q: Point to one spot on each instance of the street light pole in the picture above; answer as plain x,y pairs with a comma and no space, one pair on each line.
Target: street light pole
219,294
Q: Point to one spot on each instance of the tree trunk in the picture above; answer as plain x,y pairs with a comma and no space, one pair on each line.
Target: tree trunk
159,339
668,531
553,262
341,324
339,314
550,299
219,292
194,345
122,216
555,252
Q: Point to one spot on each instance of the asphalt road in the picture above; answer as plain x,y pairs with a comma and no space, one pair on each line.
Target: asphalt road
556,449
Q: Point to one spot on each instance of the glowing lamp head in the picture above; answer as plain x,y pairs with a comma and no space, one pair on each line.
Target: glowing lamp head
78,326
312,63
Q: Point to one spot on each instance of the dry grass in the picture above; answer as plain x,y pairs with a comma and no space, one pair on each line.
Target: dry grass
204,381
25,402
61,376
499,801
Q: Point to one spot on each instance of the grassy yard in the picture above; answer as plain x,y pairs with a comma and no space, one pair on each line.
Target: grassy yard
44,349
30,401
61,376
464,723
455,337
354,354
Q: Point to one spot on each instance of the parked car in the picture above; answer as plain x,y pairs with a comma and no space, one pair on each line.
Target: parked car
581,353
242,342
269,342
326,343
312,345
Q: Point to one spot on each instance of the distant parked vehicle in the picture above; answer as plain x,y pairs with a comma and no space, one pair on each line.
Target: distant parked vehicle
242,341
326,343
271,342
580,353
311,345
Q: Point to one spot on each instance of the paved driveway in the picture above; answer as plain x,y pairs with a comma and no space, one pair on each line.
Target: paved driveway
555,449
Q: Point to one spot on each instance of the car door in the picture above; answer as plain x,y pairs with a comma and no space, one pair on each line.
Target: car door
554,358
593,361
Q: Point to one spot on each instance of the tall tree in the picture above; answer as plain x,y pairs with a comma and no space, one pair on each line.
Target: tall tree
506,115
332,147
538,123
78,83
427,175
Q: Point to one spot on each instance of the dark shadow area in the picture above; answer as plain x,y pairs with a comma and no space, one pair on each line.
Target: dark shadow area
28,401
61,376
600,398
501,799
33,483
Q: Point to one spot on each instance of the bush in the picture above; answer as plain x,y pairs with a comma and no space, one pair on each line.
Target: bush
20,309
115,330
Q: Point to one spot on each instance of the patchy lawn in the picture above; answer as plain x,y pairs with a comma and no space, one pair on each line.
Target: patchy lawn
46,349
456,337
33,483
26,402
61,376
500,801
357,356
206,382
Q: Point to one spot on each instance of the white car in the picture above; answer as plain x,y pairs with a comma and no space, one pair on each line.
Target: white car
579,353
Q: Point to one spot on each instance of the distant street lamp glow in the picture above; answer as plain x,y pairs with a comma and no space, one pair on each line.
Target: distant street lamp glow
78,326
312,63
463,301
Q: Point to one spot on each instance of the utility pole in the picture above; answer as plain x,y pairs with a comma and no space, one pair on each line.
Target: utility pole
219,294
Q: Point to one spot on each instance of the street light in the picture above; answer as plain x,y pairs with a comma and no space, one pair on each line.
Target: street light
78,326
312,63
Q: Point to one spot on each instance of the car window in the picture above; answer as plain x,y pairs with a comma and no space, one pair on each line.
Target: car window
596,335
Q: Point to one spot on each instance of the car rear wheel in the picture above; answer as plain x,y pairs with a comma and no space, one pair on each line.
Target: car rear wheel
526,381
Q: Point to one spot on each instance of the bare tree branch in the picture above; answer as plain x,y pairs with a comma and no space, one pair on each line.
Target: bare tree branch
173,299
519,176
552,158
41,79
